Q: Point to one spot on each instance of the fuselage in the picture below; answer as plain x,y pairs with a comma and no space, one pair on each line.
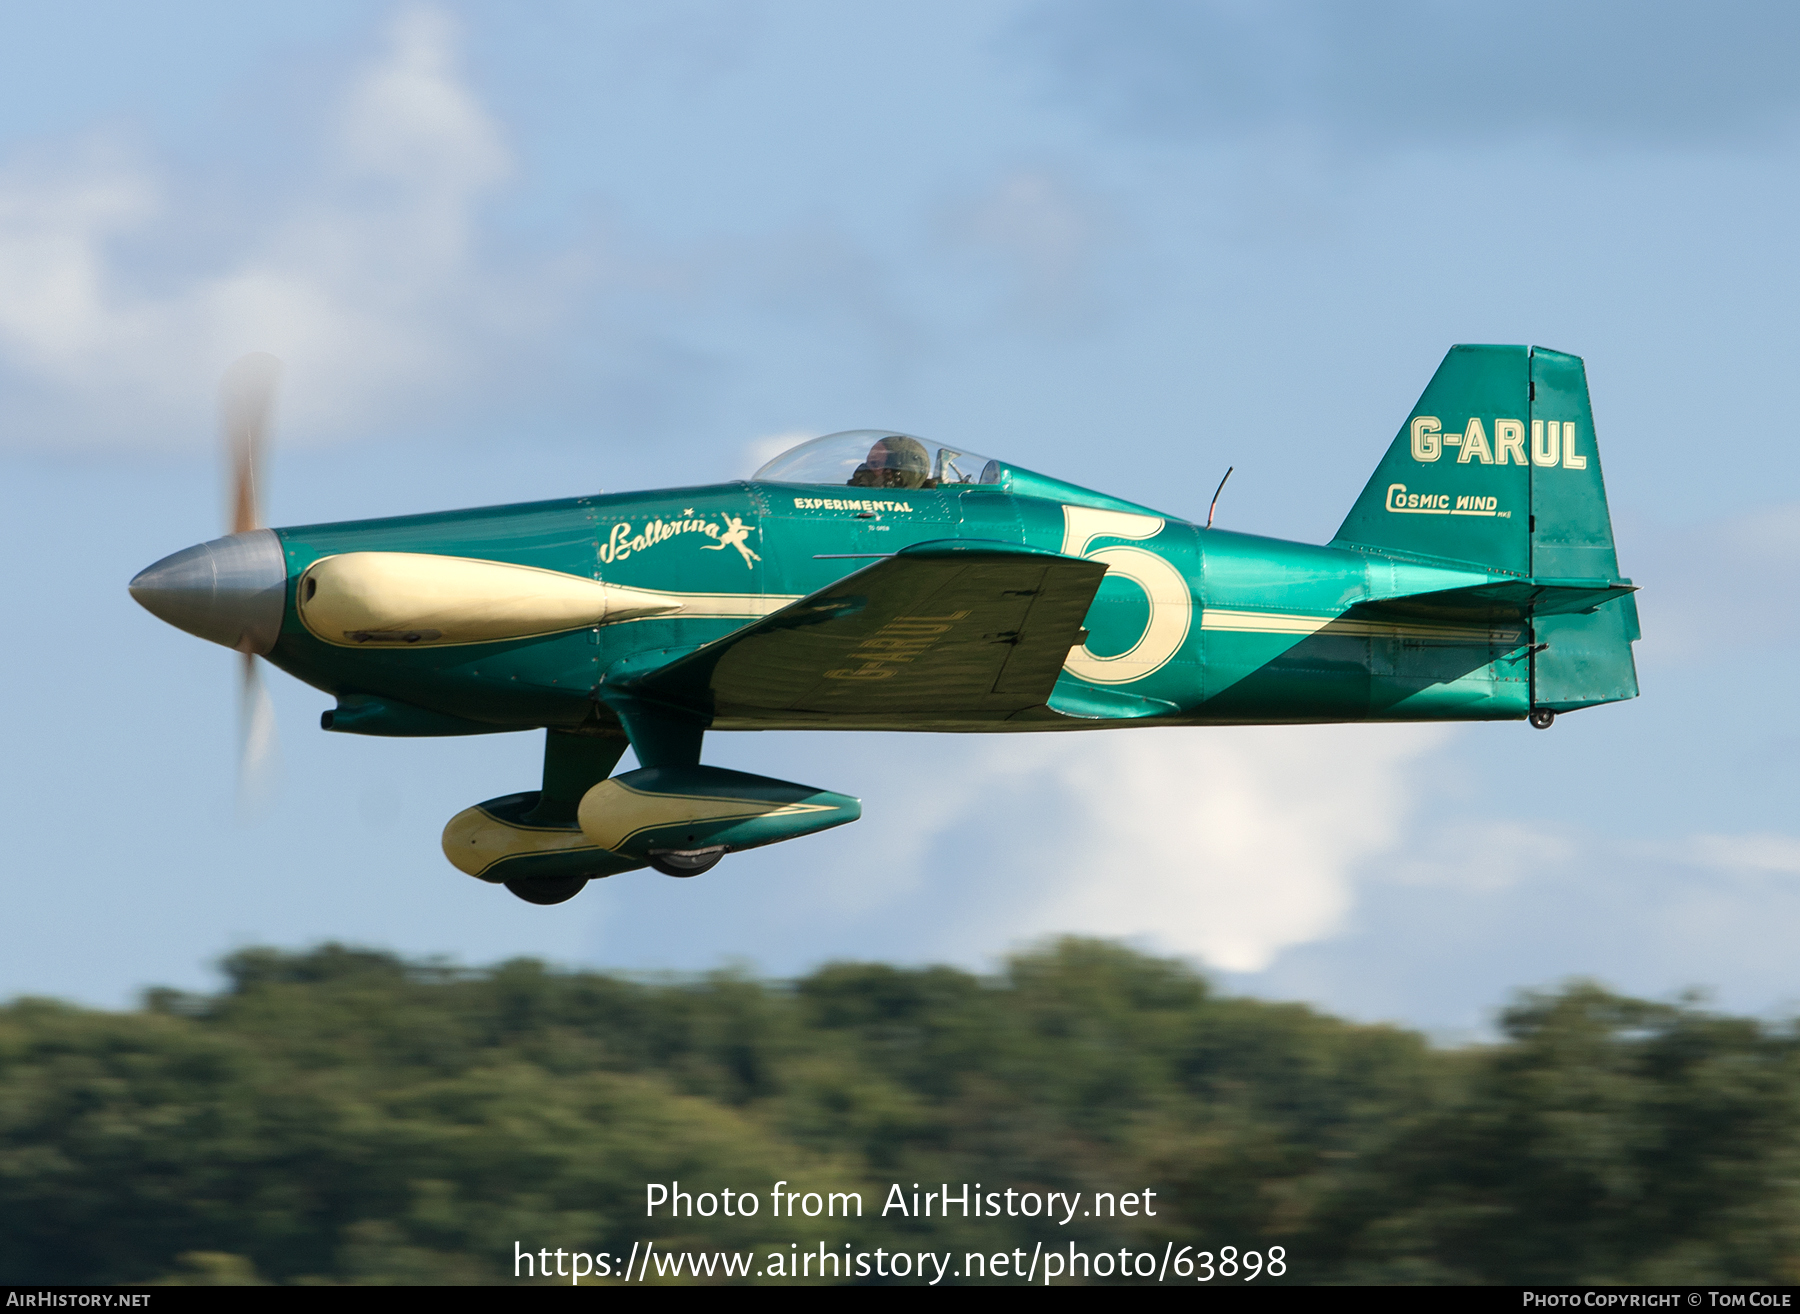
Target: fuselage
1191,625
868,580
1471,580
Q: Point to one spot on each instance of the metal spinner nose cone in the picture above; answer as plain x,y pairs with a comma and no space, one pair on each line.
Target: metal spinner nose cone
232,590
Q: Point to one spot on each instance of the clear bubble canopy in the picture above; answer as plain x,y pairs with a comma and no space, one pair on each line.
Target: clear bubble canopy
878,458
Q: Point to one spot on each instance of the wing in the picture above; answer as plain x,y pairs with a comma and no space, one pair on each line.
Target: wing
952,631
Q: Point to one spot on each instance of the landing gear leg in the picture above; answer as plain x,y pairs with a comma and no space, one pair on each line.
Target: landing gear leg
1541,718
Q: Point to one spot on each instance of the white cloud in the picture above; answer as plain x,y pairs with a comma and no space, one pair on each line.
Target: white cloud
367,285
1228,844
410,120
1750,853
1476,855
54,298
758,452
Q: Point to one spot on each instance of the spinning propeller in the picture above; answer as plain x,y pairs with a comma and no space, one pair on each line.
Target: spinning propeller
233,590
246,403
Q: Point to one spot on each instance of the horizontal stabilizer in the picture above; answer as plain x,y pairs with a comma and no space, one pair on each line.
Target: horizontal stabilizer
951,630
1580,631
1508,600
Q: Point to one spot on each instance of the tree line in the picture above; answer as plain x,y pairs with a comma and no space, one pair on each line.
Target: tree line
343,1115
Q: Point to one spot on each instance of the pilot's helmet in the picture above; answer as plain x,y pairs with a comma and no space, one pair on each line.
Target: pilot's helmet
896,461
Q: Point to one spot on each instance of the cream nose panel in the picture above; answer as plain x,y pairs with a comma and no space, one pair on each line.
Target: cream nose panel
361,598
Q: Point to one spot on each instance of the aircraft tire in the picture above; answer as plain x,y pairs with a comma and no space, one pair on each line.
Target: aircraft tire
548,892
686,862
1542,718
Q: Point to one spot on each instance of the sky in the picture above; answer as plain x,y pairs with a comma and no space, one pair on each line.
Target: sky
509,253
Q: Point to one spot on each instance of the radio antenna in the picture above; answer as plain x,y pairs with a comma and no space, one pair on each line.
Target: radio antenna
1215,502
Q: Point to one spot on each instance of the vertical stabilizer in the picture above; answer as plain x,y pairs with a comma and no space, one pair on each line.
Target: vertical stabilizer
1497,468
1455,484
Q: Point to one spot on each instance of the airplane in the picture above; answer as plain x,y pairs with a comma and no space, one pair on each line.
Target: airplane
871,580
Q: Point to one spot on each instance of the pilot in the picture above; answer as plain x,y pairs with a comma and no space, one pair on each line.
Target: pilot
895,461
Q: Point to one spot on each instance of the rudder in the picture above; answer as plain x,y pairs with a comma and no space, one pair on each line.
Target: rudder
1583,659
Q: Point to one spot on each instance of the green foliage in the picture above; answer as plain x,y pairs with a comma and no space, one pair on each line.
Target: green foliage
345,1116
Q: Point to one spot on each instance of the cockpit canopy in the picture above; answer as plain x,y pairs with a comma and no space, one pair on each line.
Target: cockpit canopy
878,458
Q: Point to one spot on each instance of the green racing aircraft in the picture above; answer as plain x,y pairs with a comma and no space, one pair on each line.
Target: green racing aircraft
871,580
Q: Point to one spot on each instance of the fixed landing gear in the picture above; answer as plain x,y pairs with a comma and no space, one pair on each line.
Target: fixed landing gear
687,862
1542,718
548,892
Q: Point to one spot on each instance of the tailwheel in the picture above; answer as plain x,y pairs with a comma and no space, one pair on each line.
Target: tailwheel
687,862
1541,718
548,892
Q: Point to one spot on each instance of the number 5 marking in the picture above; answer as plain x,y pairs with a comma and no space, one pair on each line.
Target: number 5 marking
1171,602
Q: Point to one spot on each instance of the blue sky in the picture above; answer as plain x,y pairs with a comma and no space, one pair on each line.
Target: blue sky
511,253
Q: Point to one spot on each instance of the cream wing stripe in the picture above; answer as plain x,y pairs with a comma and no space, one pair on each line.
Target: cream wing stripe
1269,622
1261,622
748,606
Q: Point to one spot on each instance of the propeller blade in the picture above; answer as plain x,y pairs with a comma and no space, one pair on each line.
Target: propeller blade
246,403
258,753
